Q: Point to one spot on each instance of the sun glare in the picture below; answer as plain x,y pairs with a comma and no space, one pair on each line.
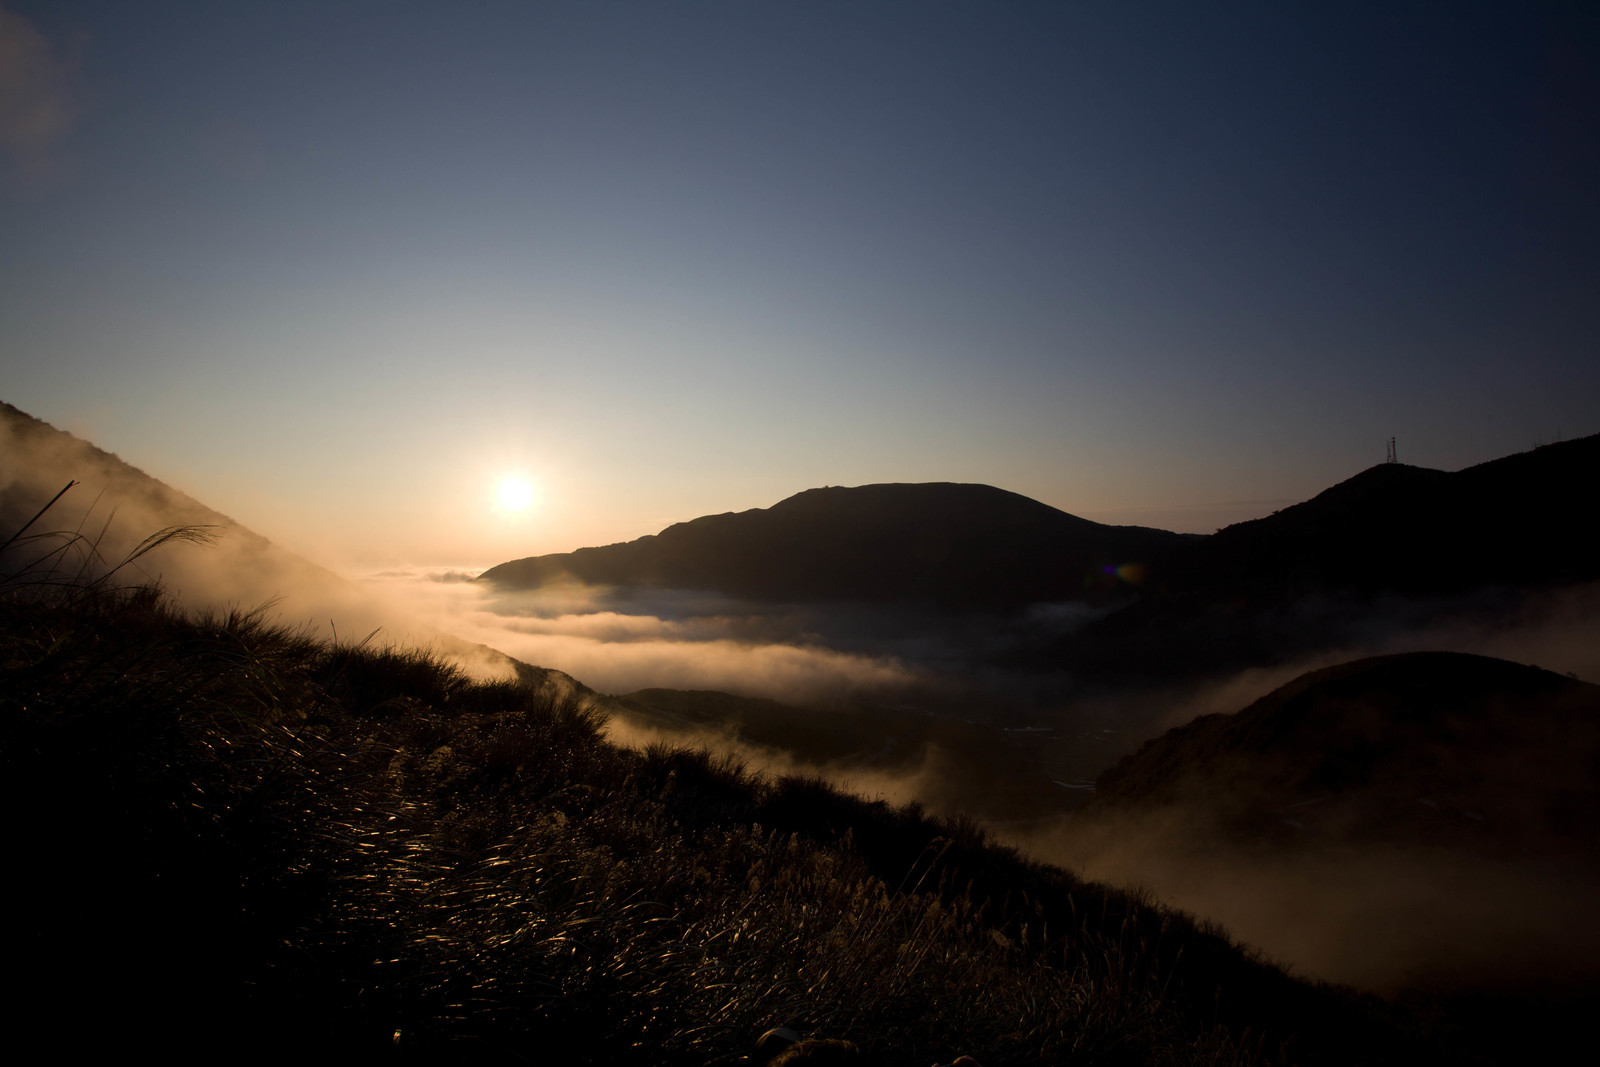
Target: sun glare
514,493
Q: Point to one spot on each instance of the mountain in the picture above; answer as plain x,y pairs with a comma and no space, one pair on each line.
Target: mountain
1420,821
1440,749
1394,549
940,545
1520,520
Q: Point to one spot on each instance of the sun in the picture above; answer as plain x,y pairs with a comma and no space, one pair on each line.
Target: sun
513,493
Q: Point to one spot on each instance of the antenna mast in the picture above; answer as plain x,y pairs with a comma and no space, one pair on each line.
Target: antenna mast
1393,457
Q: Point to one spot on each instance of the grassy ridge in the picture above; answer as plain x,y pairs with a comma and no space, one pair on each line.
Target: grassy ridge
230,838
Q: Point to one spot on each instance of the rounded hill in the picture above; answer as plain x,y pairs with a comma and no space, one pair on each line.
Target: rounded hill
937,544
1435,748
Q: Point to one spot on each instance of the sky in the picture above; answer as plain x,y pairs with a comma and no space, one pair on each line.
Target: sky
340,269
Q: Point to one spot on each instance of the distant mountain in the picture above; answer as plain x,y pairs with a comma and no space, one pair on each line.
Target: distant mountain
1431,748
1521,520
940,544
1395,547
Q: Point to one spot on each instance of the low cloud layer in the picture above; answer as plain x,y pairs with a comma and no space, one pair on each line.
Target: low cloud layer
1379,918
615,652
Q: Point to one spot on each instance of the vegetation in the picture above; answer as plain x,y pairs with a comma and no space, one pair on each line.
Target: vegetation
229,837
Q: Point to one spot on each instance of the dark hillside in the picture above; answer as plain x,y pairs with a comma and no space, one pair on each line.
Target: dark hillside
1522,520
1393,548
1420,822
1432,748
239,838
114,505
940,545
37,455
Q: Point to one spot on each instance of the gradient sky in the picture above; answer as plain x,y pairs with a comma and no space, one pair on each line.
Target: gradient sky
334,268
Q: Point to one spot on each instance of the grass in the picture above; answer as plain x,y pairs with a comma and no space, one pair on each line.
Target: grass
230,838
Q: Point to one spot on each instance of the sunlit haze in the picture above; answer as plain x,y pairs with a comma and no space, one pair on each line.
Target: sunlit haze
514,494
434,285
574,527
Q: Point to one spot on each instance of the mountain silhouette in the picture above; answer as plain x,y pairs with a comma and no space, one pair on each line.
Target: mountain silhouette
1429,748
1394,547
1521,520
940,544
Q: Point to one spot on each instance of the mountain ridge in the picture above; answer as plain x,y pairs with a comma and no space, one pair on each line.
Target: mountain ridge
940,544
1518,519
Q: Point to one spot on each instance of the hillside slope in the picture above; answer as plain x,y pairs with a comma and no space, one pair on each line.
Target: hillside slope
115,505
1430,748
1420,821
258,841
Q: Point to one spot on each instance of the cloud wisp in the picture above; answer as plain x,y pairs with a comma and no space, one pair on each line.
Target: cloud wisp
618,652
39,99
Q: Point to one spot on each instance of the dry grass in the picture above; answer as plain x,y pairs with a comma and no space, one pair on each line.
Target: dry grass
231,836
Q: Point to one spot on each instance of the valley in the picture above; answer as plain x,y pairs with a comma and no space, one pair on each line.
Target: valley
1296,727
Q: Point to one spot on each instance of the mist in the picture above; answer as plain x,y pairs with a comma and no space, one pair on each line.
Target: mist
112,508
616,652
95,526
1384,919
1381,919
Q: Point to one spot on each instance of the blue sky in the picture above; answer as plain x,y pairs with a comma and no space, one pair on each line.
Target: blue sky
337,268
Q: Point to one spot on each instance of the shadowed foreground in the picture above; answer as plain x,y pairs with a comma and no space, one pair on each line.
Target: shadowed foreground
234,838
